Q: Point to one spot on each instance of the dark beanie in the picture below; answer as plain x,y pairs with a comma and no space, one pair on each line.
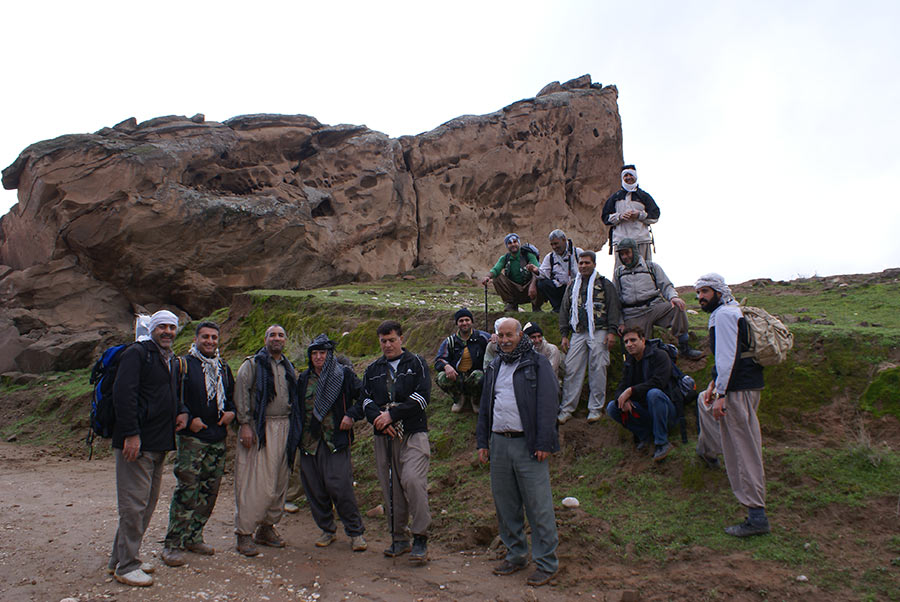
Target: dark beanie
463,313
531,329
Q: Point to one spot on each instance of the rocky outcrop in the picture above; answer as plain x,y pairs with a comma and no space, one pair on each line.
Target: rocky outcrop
183,212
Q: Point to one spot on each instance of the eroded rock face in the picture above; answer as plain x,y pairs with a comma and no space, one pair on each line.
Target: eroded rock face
182,212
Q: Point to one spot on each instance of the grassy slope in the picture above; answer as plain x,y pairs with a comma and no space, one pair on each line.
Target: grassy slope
819,411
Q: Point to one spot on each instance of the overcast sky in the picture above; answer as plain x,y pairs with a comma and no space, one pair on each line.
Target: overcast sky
767,132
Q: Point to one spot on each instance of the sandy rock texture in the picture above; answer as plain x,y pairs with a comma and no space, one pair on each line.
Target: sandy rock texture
182,212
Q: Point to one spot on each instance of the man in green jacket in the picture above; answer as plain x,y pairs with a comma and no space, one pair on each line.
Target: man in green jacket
513,275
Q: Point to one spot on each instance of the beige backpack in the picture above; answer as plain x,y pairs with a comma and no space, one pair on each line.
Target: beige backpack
770,339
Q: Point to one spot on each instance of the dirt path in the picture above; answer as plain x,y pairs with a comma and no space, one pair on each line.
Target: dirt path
58,518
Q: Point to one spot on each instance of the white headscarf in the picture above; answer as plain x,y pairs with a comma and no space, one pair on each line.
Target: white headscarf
629,187
716,283
163,316
588,303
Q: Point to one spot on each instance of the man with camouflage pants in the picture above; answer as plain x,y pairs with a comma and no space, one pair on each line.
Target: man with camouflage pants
208,394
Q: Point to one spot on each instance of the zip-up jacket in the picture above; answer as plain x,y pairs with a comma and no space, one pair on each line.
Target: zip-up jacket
451,350
411,392
653,371
347,404
199,405
145,398
537,397
620,202
729,337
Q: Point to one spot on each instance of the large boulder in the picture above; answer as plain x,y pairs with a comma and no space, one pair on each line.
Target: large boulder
181,212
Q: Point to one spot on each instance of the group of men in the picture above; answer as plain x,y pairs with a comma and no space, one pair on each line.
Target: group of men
510,377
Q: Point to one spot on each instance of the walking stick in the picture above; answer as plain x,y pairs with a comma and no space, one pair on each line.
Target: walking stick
485,310
390,447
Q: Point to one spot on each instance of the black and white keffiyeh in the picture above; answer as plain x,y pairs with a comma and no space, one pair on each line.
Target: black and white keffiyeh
331,380
212,373
517,353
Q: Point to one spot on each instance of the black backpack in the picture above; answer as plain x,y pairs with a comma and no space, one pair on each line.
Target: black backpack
682,389
524,249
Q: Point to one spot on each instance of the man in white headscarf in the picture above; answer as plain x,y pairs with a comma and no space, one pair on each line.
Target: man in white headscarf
629,213
588,317
727,408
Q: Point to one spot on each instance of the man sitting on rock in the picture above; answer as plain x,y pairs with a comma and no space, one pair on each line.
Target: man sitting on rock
642,403
512,276
649,299
558,268
460,362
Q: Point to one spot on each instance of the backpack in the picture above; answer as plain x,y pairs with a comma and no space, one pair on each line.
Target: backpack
524,249
682,388
770,339
570,248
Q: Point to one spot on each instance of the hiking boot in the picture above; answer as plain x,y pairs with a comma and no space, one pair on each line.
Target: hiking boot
136,578
291,508
457,407
173,557
540,577
689,354
200,548
398,547
508,568
662,451
246,546
746,529
563,418
642,445
511,307
326,539
594,417
266,535
358,543
711,462
419,553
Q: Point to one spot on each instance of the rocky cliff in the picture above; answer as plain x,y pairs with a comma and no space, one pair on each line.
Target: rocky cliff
183,212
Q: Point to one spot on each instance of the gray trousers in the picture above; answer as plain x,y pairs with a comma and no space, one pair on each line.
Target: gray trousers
662,313
328,481
137,490
407,462
593,356
519,481
261,478
740,442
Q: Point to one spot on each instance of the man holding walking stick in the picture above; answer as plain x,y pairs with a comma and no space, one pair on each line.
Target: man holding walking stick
396,391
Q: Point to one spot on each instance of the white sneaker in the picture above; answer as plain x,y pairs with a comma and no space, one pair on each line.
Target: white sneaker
145,566
291,508
563,418
137,578
594,417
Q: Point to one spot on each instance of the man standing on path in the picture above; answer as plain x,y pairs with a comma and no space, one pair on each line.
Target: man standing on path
517,433
148,412
512,276
589,315
649,299
629,212
460,362
396,391
734,392
266,401
558,268
328,392
208,395
642,403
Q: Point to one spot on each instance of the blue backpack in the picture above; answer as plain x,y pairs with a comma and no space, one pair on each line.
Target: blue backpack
103,375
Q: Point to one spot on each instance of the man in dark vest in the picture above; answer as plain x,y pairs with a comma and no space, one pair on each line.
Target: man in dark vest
265,396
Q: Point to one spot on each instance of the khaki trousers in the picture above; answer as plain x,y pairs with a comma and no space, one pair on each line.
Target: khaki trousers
407,462
740,442
137,491
662,313
260,479
516,294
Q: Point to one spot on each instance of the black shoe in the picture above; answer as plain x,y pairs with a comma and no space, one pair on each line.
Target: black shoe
642,445
711,462
419,553
508,568
690,354
539,577
746,529
662,451
398,548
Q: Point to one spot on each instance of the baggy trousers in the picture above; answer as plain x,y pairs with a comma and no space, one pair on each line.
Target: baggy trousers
514,293
328,481
740,443
519,481
198,470
137,491
408,461
662,314
260,479
585,354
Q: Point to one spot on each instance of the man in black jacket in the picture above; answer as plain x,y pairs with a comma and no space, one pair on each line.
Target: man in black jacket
517,432
642,403
460,362
207,392
396,391
629,212
148,413
328,394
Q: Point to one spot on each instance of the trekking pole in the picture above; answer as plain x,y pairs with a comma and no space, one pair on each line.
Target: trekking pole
485,310
390,454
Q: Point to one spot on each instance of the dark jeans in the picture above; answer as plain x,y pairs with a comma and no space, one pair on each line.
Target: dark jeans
653,417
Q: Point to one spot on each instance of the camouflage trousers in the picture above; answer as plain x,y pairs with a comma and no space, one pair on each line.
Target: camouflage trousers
466,384
198,470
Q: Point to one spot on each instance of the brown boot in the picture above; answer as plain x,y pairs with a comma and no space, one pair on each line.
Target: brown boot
246,546
266,535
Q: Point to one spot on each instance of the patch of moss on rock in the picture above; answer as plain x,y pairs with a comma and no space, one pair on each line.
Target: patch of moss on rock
882,396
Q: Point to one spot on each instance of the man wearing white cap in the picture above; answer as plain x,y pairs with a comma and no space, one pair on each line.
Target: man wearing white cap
629,213
148,412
